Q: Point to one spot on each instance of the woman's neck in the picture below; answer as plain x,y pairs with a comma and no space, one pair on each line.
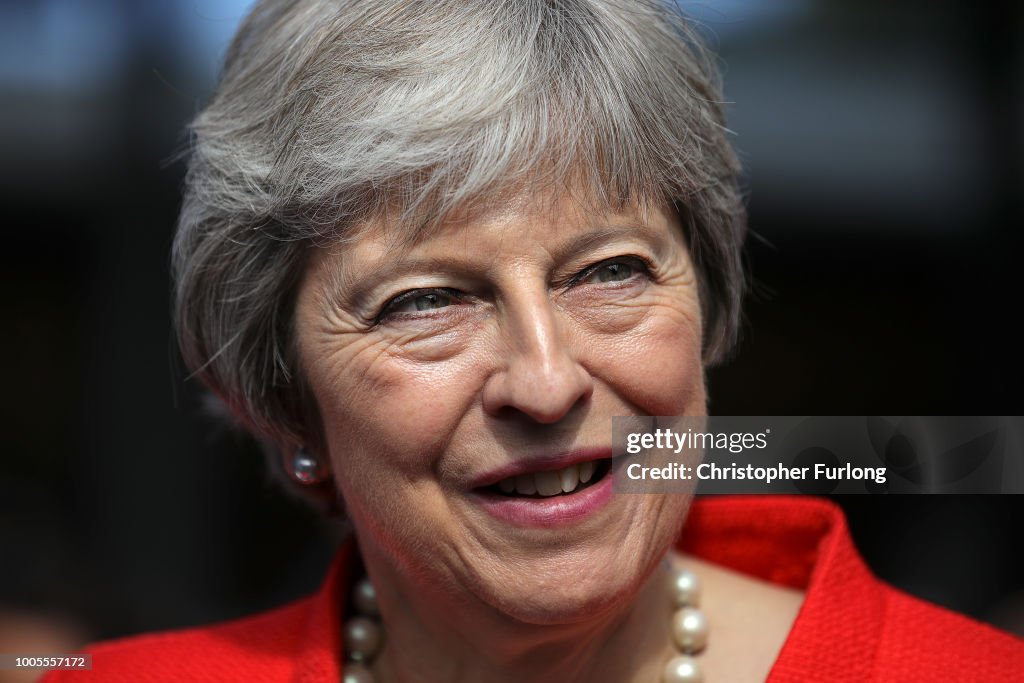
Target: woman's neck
428,639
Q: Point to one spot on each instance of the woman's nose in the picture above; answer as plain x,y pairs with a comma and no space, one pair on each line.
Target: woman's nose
540,375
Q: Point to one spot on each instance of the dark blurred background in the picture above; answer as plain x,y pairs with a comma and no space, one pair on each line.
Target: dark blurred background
885,149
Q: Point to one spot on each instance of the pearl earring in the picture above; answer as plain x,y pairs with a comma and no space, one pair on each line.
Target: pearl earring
306,468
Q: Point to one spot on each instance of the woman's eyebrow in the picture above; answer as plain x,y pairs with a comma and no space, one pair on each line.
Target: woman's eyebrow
598,237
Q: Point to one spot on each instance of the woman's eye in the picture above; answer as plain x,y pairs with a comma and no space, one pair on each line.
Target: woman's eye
617,270
418,301
428,302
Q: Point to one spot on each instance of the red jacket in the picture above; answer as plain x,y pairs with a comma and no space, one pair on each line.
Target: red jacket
851,627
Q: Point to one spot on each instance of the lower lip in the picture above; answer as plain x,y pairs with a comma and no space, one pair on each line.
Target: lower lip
556,511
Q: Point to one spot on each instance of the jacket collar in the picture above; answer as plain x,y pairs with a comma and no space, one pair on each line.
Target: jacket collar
801,543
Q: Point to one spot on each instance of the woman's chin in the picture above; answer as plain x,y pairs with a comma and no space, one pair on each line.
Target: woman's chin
569,607
550,598
570,582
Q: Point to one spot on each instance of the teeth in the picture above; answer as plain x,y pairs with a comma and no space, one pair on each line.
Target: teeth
549,483
570,478
586,471
525,485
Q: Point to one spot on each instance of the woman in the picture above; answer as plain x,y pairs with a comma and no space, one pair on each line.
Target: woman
427,251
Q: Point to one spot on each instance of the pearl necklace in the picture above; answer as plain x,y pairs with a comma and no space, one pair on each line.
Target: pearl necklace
364,634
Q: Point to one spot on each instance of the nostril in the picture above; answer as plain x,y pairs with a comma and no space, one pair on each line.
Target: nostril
542,400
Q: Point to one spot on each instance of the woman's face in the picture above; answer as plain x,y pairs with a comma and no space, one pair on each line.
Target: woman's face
455,376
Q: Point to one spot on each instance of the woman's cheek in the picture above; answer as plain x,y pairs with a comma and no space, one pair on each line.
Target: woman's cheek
656,364
404,408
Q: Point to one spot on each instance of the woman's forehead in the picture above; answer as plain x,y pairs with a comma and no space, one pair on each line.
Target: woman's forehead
507,213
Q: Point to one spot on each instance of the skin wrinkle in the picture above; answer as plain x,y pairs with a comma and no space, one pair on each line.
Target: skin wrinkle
532,362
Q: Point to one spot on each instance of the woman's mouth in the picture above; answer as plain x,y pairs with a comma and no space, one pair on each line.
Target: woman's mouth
549,483
549,498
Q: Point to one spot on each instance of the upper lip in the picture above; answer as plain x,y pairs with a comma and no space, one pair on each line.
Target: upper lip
540,463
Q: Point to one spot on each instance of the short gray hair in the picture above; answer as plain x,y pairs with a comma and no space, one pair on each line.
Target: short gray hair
332,112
